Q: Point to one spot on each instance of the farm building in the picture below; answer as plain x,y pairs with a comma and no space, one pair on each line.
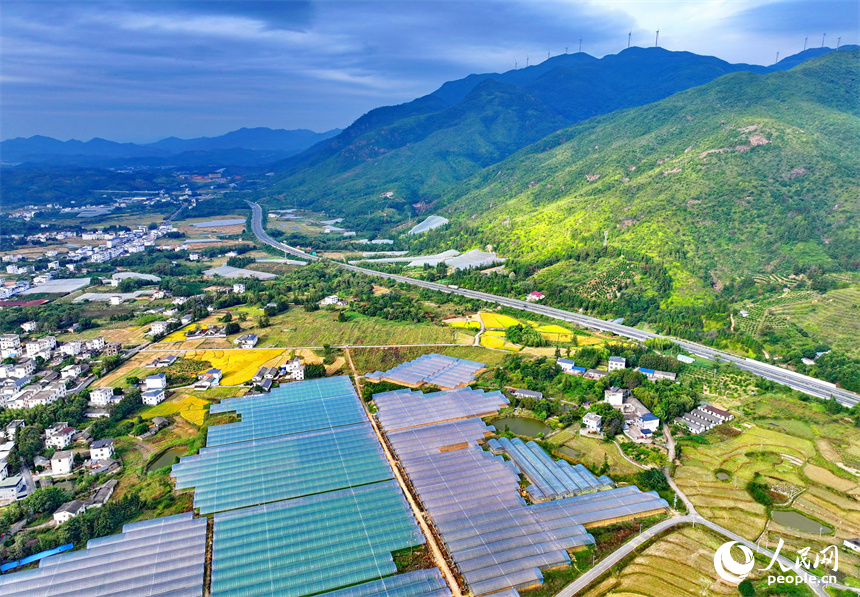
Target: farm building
616,363
521,393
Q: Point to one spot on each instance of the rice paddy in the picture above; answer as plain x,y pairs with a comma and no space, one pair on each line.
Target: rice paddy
190,408
238,366
497,321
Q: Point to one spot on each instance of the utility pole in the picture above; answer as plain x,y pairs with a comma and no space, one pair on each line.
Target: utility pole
657,39
580,43
838,41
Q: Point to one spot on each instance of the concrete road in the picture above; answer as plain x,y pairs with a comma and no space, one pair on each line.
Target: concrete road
796,381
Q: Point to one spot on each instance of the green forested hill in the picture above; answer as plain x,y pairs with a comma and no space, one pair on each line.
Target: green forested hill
745,175
419,149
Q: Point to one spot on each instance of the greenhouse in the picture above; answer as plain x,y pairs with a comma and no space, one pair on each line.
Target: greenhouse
319,406
551,479
401,409
498,541
312,544
278,468
159,557
439,370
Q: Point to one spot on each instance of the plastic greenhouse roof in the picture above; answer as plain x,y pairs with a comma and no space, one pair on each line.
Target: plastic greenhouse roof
440,370
312,544
497,541
163,556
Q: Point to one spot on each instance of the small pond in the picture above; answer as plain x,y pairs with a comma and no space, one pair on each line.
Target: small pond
799,522
168,458
569,452
724,476
521,426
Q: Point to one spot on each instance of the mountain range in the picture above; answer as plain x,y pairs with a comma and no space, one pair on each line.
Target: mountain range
419,149
243,147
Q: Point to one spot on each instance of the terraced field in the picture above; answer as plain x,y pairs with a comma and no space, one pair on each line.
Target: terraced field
770,312
678,565
756,450
834,316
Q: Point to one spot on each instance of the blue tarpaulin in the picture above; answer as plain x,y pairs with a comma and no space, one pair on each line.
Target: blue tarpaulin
35,557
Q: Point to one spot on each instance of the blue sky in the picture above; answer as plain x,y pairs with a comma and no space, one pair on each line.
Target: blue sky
143,70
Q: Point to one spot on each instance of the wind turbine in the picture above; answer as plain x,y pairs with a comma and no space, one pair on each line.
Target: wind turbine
657,39
628,38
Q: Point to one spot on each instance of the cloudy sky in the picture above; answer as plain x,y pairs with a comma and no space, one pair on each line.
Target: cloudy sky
143,70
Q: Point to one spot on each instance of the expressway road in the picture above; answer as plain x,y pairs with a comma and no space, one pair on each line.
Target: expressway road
796,381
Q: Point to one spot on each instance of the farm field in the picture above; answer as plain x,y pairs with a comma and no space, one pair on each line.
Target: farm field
592,453
297,327
190,408
239,366
495,337
678,565
496,340
374,359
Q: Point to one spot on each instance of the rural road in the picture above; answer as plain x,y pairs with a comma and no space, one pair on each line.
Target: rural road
796,381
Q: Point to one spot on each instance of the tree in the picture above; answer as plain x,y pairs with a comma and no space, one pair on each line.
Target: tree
314,371
232,328
132,380
746,588
227,317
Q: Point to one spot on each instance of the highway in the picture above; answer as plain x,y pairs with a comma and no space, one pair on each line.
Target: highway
796,381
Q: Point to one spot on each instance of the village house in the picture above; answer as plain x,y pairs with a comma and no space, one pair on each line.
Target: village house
534,297
153,397
615,396
293,369
521,393
246,340
156,382
101,449
59,436
616,363
239,288
103,396
592,422
61,462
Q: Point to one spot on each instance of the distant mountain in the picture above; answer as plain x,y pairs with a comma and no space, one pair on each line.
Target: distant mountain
245,146
746,175
418,149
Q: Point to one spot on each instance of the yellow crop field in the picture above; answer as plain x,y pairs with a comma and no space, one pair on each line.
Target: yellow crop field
190,408
471,325
238,366
555,333
497,339
497,321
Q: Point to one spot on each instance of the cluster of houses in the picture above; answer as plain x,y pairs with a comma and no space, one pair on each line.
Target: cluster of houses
615,363
208,379
703,418
154,389
23,384
99,498
60,438
292,370
246,340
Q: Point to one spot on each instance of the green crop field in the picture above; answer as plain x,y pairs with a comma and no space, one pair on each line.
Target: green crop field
297,327
834,316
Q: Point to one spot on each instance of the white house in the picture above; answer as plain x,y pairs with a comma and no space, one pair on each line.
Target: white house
592,422
566,365
156,382
211,377
12,489
153,397
293,369
69,510
246,341
617,363
29,326
239,288
71,348
852,544
101,396
70,371
10,342
96,344
60,438
101,449
649,421
158,328
614,396
61,462
194,256
116,299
